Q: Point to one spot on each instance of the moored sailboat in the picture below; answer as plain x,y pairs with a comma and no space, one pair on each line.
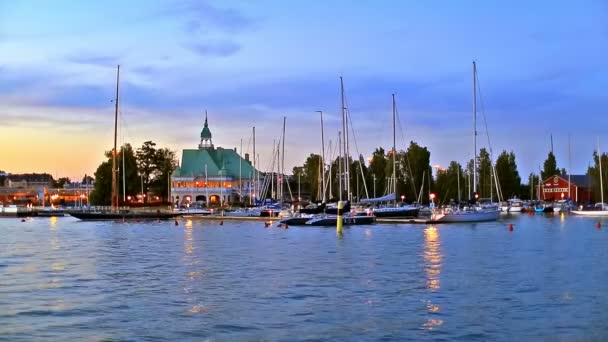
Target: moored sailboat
115,213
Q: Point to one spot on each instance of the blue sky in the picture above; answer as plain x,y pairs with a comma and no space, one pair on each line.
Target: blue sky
541,68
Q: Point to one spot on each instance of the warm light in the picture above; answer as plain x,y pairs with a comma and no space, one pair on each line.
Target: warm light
432,196
402,197
562,195
476,195
129,198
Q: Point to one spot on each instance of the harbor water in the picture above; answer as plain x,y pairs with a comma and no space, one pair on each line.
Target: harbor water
63,279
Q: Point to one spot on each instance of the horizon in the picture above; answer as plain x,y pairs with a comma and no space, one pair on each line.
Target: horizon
540,68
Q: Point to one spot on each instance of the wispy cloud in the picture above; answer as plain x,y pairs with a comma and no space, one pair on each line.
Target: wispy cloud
217,48
91,58
203,17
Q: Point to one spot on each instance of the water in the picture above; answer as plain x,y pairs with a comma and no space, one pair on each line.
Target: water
61,279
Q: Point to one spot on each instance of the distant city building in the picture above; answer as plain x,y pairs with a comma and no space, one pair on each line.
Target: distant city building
29,180
213,175
556,187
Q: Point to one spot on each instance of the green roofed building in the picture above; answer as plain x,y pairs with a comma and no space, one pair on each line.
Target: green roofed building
212,175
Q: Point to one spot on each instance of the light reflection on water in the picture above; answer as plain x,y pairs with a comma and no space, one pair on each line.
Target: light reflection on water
66,280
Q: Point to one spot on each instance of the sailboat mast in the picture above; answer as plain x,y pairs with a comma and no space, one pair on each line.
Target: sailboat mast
322,155
569,166
114,180
124,191
255,183
394,151
474,128
340,167
599,155
283,160
345,141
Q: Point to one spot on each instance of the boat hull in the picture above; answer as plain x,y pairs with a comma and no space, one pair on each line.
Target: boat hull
123,216
468,216
295,221
591,213
396,213
330,221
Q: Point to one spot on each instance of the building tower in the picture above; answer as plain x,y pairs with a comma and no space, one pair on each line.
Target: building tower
206,142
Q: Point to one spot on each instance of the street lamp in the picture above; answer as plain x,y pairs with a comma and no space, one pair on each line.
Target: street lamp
402,198
432,196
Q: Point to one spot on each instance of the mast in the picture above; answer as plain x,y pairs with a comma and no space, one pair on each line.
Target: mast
255,184
241,172
322,154
474,128
569,167
458,182
206,187
345,140
283,160
114,180
124,192
394,152
340,167
599,153
272,170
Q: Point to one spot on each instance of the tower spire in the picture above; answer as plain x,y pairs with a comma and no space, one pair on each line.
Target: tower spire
206,141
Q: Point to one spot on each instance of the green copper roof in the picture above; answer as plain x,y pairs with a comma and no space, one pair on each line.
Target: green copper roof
206,133
194,161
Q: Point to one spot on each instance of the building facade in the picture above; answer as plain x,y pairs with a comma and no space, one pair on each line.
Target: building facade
212,175
557,187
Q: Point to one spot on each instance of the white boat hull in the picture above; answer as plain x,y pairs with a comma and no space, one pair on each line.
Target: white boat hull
515,209
468,216
591,213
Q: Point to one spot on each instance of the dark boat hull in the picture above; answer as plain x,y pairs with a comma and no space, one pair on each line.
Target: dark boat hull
406,213
347,221
296,221
123,216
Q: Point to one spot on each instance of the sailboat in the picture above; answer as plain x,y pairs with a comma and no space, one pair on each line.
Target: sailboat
394,211
600,209
473,212
115,213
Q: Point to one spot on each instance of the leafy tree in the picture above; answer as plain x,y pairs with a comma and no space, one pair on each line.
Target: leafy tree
417,160
549,167
377,169
165,163
508,176
593,172
102,192
447,183
87,180
146,162
485,174
61,182
312,176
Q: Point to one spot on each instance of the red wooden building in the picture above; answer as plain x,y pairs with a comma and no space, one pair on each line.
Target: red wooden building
555,188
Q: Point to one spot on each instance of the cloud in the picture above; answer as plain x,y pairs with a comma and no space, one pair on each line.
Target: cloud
89,58
202,17
217,48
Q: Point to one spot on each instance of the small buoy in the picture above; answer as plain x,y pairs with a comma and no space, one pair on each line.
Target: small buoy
22,220
221,223
286,226
598,225
176,223
510,227
280,225
265,224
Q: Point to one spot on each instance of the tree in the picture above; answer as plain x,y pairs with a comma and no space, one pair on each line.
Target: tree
593,172
146,162
87,180
507,174
417,160
312,176
102,192
62,182
377,169
549,167
447,183
485,174
165,163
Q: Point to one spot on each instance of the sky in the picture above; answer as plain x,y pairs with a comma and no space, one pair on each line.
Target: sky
541,70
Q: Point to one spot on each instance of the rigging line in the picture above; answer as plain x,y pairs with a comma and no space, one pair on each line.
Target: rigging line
407,156
485,122
358,153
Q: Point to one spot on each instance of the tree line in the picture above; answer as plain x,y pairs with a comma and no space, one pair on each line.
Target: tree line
416,178
146,171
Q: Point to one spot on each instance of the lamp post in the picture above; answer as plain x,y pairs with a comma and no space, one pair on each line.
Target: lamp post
432,196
